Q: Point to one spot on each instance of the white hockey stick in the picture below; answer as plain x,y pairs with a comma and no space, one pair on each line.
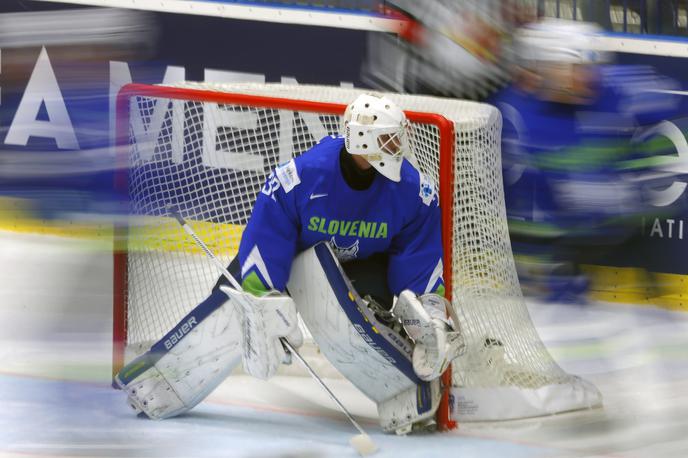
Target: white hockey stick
362,442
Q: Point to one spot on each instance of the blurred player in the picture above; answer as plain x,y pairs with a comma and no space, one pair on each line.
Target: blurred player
575,178
456,48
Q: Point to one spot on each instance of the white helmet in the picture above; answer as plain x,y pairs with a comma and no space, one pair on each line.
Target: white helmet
558,40
375,128
563,58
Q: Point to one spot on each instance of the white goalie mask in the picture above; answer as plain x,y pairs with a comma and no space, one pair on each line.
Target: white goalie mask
375,127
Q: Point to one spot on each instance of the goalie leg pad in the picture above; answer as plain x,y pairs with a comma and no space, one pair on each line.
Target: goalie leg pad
400,413
375,358
188,363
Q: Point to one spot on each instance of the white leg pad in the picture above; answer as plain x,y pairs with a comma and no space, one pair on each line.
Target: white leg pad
400,412
375,358
153,395
188,363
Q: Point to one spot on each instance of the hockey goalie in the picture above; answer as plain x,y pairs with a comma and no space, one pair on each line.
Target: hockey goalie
348,234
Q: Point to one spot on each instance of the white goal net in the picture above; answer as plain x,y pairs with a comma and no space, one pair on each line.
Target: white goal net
207,149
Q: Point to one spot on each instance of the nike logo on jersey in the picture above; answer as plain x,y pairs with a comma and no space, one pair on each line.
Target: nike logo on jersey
317,196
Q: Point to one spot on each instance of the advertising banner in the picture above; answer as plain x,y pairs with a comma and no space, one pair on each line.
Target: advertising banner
61,68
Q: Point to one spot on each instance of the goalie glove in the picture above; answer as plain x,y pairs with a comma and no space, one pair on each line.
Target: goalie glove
437,342
264,321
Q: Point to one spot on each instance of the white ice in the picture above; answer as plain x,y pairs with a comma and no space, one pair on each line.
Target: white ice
56,399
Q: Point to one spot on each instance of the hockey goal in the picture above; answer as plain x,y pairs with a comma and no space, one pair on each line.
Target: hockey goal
207,149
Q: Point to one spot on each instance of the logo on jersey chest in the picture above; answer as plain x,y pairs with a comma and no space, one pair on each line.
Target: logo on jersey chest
358,228
344,253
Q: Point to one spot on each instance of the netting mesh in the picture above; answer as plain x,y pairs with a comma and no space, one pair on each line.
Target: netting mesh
210,160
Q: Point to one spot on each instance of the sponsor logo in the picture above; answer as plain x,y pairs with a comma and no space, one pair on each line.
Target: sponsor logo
358,228
288,175
678,164
317,196
179,333
668,228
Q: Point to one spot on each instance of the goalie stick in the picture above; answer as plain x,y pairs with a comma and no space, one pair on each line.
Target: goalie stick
362,442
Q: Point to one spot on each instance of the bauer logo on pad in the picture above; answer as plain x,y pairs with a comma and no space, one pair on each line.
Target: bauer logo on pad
180,332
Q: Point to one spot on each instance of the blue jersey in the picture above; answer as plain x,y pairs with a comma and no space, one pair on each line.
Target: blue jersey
307,200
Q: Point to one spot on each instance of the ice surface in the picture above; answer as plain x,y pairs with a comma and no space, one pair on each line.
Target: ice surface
56,399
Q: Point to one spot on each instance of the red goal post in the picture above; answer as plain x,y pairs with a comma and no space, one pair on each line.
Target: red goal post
209,148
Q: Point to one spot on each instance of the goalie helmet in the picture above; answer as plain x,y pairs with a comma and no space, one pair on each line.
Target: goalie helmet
376,128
